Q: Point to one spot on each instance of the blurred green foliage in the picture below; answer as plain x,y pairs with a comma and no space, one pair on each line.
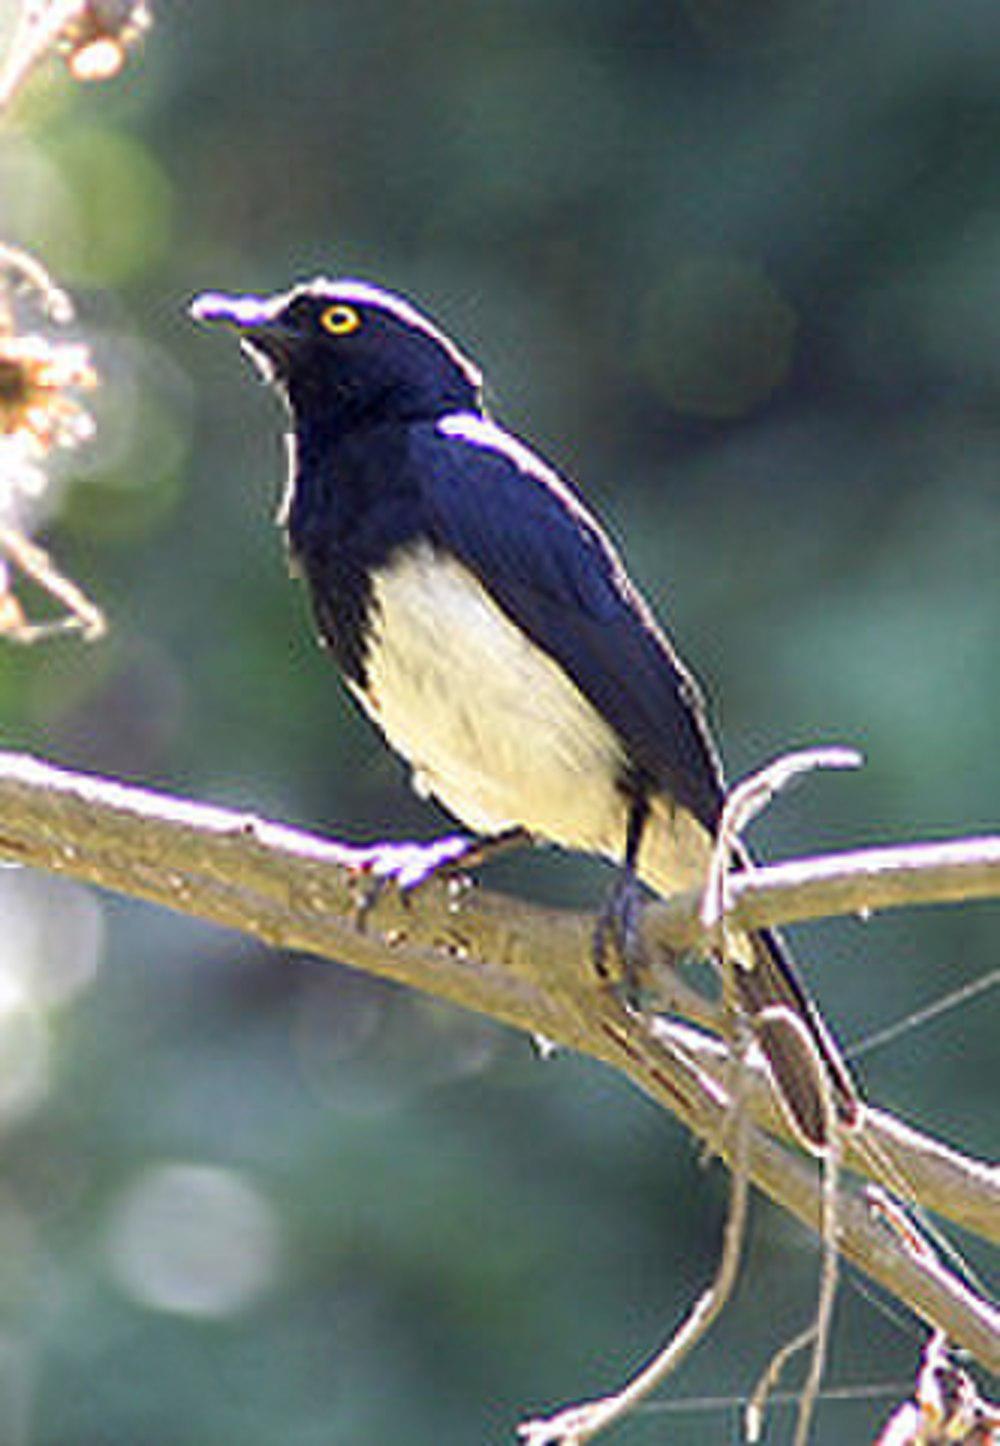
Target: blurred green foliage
737,267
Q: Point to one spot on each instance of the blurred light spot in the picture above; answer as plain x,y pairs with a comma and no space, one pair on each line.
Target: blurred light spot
370,1051
134,467
99,61
38,204
337,1019
340,1042
457,1044
122,202
51,939
193,1239
717,338
117,714
25,1056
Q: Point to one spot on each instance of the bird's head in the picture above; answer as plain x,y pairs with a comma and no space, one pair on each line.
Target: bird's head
349,351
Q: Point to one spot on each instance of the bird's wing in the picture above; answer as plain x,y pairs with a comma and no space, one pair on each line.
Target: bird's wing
526,535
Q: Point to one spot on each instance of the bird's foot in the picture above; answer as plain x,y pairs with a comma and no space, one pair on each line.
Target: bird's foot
405,867
618,933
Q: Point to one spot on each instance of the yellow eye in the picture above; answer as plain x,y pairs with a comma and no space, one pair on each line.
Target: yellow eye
339,320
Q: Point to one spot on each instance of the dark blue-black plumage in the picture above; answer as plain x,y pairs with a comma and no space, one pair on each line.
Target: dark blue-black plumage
485,621
552,570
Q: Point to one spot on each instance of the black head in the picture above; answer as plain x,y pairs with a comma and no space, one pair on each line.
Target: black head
349,352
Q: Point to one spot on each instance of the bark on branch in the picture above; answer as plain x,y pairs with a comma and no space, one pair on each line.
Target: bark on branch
530,967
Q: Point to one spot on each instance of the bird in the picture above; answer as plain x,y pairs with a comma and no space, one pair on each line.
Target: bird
487,625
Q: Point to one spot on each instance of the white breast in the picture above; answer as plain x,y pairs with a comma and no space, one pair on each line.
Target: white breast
497,731
490,725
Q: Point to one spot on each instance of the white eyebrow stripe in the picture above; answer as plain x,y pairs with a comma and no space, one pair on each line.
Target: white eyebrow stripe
364,293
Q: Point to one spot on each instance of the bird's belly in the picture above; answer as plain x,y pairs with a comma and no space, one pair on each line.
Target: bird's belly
490,724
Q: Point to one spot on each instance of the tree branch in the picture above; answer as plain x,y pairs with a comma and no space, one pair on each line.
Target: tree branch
530,967
860,882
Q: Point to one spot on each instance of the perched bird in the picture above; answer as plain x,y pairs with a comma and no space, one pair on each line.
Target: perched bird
487,626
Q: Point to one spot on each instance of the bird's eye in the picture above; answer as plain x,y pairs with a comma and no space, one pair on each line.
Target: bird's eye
339,320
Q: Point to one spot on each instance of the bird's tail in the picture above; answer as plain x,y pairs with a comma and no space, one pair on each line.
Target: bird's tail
797,1045
805,1063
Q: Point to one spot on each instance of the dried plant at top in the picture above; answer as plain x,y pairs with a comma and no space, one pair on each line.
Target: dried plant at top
93,37
39,412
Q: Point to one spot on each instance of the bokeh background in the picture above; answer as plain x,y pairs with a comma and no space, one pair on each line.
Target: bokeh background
737,268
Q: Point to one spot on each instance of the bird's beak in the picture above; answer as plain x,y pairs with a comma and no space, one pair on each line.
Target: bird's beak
257,320
246,313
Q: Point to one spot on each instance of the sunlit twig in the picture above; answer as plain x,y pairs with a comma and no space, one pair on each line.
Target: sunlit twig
93,37
39,412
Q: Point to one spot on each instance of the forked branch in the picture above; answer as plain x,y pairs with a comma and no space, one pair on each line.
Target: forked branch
530,967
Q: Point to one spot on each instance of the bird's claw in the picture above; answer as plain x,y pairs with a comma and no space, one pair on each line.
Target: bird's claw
618,932
404,867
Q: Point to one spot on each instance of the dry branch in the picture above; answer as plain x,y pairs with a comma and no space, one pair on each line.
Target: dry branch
530,967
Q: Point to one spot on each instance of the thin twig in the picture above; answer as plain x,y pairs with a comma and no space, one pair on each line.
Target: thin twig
81,614
20,269
39,26
582,1422
860,882
764,1393
829,1270
917,1018
744,802
817,1334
